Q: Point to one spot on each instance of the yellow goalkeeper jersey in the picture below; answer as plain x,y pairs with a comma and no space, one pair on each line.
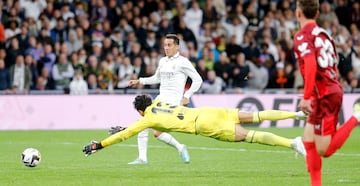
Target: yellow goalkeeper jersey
218,123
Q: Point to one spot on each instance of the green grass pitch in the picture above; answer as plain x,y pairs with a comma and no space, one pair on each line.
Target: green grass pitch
212,162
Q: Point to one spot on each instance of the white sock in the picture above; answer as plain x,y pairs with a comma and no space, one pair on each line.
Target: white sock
168,139
143,138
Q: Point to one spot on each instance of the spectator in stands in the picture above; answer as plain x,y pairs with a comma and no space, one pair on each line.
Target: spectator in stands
258,77
165,27
124,73
201,68
240,73
209,12
135,51
75,62
61,48
213,84
266,26
139,68
98,12
23,37
82,57
92,83
12,52
223,68
33,8
40,84
355,34
113,12
106,78
20,76
139,29
193,18
343,12
73,44
66,14
205,35
209,58
151,43
96,50
188,35
355,13
355,62
33,49
129,42
62,72
125,27
232,48
59,33
12,29
345,63
237,26
32,65
278,77
249,46
78,86
44,36
266,58
326,13
107,46
47,59
92,67
221,43
47,81
5,84
117,39
109,58
151,61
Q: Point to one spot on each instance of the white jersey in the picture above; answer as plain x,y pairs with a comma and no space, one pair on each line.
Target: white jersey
172,74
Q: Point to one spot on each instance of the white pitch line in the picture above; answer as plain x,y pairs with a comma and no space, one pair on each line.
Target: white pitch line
192,148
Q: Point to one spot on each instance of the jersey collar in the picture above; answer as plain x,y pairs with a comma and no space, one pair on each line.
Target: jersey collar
173,57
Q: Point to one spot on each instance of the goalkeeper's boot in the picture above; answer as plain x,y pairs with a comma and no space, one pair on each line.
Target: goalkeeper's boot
91,148
184,154
298,145
138,161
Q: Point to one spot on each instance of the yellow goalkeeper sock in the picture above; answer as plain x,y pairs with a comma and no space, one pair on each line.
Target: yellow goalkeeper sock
272,115
267,138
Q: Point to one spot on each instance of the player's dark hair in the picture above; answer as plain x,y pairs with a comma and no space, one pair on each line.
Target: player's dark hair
173,37
309,8
142,101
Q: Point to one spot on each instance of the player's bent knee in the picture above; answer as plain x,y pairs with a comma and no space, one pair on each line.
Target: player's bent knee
321,152
157,133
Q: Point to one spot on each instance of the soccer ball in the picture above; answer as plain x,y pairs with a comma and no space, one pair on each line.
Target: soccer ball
31,157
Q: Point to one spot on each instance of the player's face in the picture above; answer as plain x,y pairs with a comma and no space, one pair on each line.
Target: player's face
170,47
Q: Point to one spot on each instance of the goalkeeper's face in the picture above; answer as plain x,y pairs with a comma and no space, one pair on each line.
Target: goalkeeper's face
170,47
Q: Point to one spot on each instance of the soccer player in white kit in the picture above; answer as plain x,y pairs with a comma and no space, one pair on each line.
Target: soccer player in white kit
172,73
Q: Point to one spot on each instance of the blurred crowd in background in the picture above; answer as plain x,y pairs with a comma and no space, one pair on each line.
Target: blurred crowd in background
77,46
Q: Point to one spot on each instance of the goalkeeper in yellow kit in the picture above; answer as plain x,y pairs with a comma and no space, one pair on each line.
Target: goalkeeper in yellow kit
219,123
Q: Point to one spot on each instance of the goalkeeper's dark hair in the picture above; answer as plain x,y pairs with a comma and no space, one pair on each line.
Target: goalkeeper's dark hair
173,37
141,102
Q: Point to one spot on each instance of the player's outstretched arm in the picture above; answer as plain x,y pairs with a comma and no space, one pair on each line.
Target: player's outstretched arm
91,148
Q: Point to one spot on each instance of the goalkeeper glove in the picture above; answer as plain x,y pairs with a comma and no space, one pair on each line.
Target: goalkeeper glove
116,129
91,148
